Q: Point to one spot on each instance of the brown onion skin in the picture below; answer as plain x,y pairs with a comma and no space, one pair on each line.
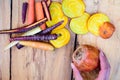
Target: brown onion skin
90,60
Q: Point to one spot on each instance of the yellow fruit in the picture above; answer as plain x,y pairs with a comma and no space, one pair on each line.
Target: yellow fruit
62,40
79,25
95,21
73,8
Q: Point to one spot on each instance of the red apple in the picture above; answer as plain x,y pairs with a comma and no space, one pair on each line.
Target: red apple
86,57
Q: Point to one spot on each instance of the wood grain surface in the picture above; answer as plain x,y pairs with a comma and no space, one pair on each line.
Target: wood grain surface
4,39
36,64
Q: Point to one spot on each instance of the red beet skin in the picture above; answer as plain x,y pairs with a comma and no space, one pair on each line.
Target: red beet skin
86,58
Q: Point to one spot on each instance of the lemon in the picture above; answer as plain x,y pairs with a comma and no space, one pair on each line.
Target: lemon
79,25
95,21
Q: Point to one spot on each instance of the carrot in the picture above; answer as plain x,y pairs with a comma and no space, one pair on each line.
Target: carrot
46,10
31,11
40,45
19,46
48,30
24,10
24,28
48,2
39,13
36,37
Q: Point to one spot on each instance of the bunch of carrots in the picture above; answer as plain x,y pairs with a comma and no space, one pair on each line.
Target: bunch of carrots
35,34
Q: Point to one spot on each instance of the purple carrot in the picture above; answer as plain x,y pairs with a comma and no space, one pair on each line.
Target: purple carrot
25,28
24,11
36,37
48,30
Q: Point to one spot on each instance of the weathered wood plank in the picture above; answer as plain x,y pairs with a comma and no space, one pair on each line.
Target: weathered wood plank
4,40
109,46
36,64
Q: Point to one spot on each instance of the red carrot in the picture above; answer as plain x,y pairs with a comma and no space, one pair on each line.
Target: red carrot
39,13
24,11
46,10
25,28
31,11
40,45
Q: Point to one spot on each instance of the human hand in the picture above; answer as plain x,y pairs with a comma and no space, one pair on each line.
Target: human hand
104,71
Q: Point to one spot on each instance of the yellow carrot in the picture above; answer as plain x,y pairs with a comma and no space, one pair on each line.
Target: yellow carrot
31,11
35,44
39,13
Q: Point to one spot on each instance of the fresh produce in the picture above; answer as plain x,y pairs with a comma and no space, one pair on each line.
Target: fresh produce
51,28
62,40
25,28
31,32
40,45
95,21
86,57
39,13
48,2
46,10
24,11
106,30
56,10
73,8
56,15
79,25
19,46
53,22
31,12
36,37
46,31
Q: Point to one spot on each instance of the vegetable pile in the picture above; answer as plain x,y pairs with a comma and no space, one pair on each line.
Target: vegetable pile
44,30
46,21
81,21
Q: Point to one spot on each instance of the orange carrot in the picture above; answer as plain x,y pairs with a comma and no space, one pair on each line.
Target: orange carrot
35,44
39,13
31,11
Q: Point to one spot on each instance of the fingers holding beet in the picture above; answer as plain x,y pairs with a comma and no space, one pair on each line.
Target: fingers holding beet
104,64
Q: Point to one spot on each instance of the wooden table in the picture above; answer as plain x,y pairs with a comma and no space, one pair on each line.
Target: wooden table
36,64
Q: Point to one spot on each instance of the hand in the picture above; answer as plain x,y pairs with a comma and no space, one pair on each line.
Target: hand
0,75
104,72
